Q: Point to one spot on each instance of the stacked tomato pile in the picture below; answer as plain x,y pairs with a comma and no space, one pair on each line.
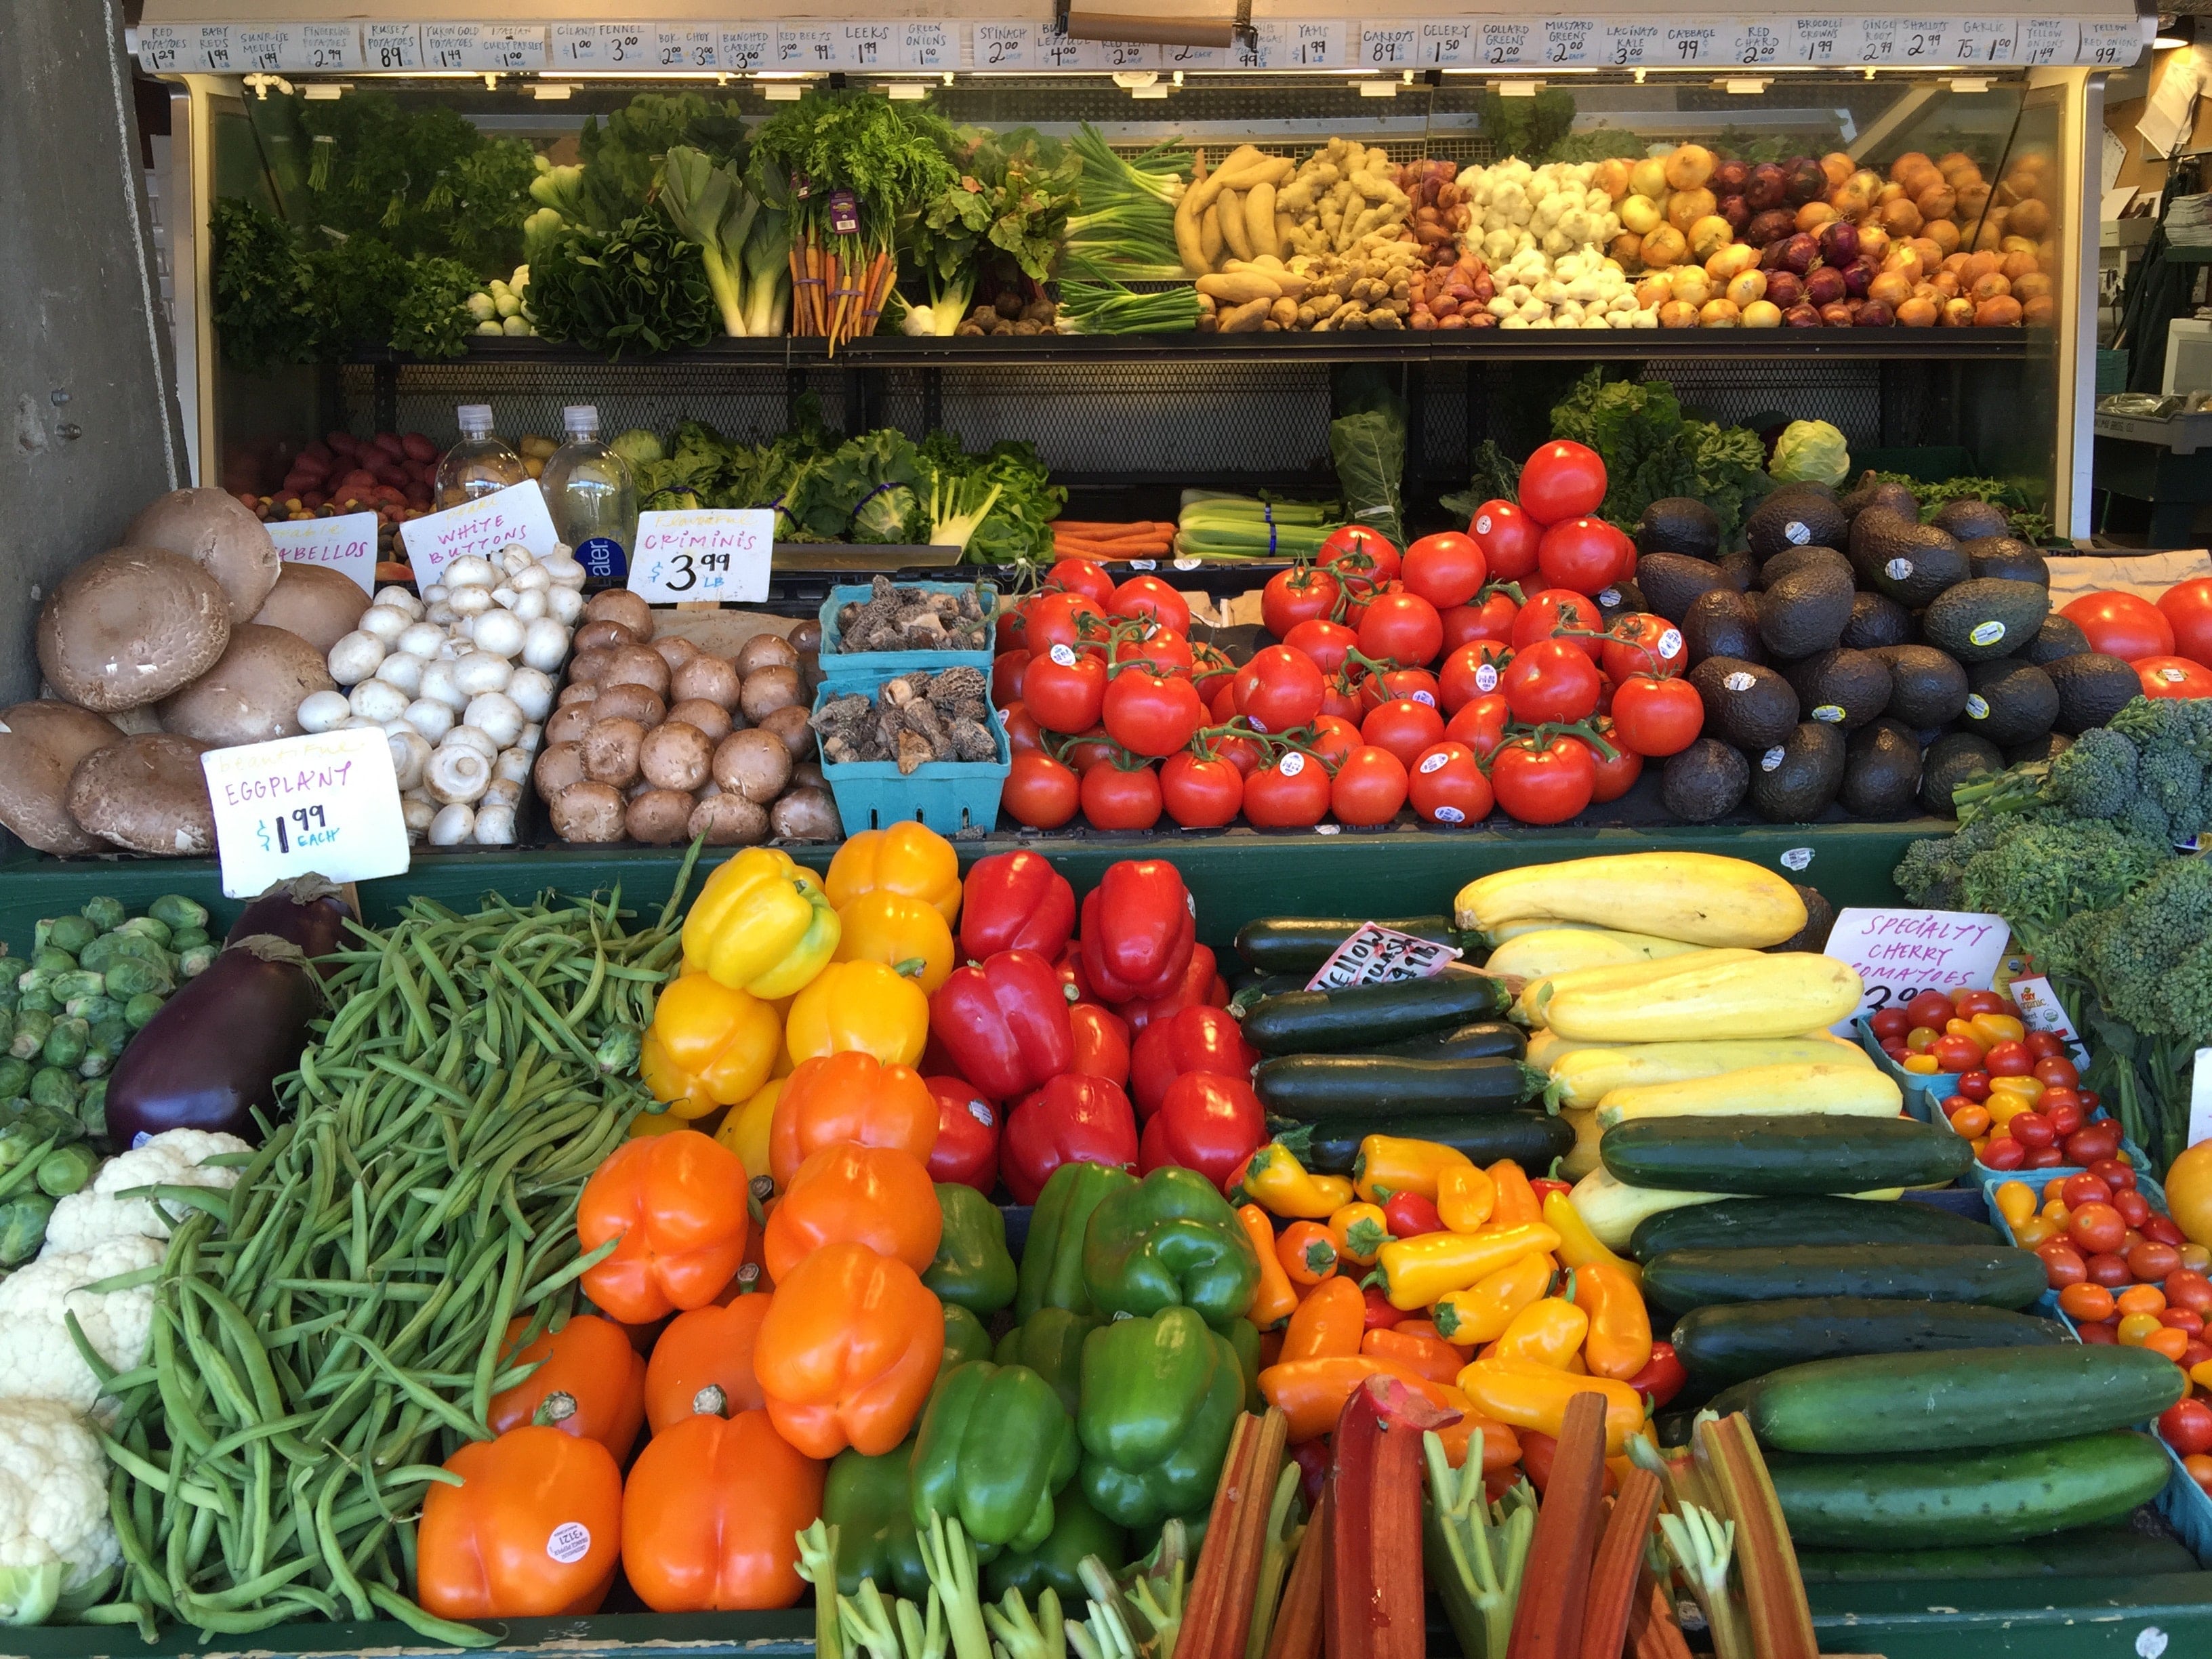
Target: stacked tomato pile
1435,679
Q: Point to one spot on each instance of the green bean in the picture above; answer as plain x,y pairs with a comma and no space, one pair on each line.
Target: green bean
428,1625
510,1286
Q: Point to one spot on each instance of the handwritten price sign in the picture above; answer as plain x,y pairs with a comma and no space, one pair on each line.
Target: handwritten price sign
325,805
481,526
1901,953
347,544
703,557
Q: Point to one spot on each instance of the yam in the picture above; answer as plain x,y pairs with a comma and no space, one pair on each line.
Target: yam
1209,238
1245,318
1239,287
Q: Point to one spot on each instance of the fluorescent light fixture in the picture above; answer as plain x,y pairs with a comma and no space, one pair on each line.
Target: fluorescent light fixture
552,92
1748,87
323,92
1970,83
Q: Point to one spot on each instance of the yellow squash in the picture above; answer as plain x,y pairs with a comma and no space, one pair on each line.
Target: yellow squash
1699,897
1823,1087
1536,995
1582,1075
1555,950
1611,1208
1747,995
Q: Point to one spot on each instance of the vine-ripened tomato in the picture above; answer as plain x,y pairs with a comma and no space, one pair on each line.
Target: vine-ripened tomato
1368,788
1163,649
1013,628
1083,576
1582,555
1201,794
1446,785
1007,671
1068,619
1298,595
1291,794
1242,753
1118,798
1406,728
1151,714
1552,681
1446,568
1334,738
1641,643
1616,777
1403,627
1040,792
1469,672
1392,683
1340,696
1561,480
1024,734
1210,668
1490,617
1546,785
2187,608
1507,539
1366,554
1552,608
1093,748
1221,706
1064,688
2173,677
1480,725
1658,718
1278,689
1328,643
2121,625
1148,596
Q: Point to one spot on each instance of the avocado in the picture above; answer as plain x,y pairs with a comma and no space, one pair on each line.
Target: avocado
1970,519
1806,611
1841,687
1678,524
2092,689
1705,781
1671,580
1796,558
1869,492
1746,705
2008,702
1616,600
1950,761
1739,570
1795,780
1722,623
1984,618
2007,558
1794,518
1926,688
1820,922
2050,746
2059,636
1876,619
1911,562
1881,771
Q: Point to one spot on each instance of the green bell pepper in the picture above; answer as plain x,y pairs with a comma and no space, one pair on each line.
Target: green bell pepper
1052,1258
868,1500
995,1444
1077,1530
1245,1337
1161,1396
973,1268
965,1339
1050,1343
1169,1240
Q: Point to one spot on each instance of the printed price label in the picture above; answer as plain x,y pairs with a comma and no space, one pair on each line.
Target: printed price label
1815,39
1375,955
704,555
392,47
1004,45
803,48
325,805
2046,40
481,526
1901,953
1983,40
602,46
1303,43
743,49
346,544
2041,1011
865,46
1625,45
1389,46
1571,40
1505,42
928,46
481,47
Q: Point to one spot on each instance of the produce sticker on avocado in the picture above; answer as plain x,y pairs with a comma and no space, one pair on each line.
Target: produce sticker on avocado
1375,955
1900,953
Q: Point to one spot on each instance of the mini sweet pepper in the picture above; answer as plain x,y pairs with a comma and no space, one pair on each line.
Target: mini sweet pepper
1416,1272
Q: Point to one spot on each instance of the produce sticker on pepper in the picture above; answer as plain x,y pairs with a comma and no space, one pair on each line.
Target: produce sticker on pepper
482,527
1375,955
325,805
1901,953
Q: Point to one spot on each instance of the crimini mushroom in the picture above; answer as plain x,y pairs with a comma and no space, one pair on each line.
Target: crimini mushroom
675,651
588,812
320,604
728,820
674,756
629,701
605,634
791,725
147,794
40,744
611,752
129,626
754,764
218,533
709,717
559,765
657,816
569,723
636,664
767,690
766,651
253,693
620,604
806,814
706,678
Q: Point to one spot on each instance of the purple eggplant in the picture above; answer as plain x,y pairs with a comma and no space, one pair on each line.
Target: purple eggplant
310,912
210,1059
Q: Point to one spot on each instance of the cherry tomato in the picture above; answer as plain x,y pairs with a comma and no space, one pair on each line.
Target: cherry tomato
1548,785
1082,576
1556,611
2032,1130
1370,787
2009,1059
2044,1158
2093,1142
1561,480
1201,794
1970,1120
2001,1153
2062,1263
1296,595
1335,737
1065,690
2133,1207
2151,1259
2161,1229
2186,1425
2056,1070
2173,677
1480,725
1291,794
2184,1319
1581,554
1406,728
1967,1004
1151,714
1446,568
1552,681
1891,1022
2086,1303
1279,689
1068,619
2185,1288
2117,1177
1447,786
2097,1228
1148,596
1469,672
1327,643
1932,1008
1118,799
2101,1334
1490,617
2085,1189
1508,538
1404,628
1974,1084
1658,718
2045,1045
1041,792
1616,776
2065,1116
2121,625
1366,556
2187,608
1956,1053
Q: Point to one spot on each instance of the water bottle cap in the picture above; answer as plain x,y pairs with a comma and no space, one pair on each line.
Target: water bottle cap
579,420
474,419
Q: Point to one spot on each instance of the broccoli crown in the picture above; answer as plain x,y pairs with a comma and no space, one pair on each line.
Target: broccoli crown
2174,778
1931,870
2168,722
2041,873
2144,817
2151,959
2096,777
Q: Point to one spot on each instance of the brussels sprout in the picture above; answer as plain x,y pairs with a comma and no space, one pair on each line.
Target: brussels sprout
18,1141
14,1076
55,1090
196,961
7,992
141,1009
92,1010
32,1031
23,1227
92,1107
184,938
104,913
66,1042
55,1123
67,987
36,1002
98,955
7,1028
67,1170
148,927
174,910
51,962
129,975
71,933
141,946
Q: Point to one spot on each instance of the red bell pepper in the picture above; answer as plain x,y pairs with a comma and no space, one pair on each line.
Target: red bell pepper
1195,990
1016,901
967,1149
1072,1119
1661,1379
1101,1043
1207,1123
1070,968
1203,1039
1410,1215
1003,1022
1138,925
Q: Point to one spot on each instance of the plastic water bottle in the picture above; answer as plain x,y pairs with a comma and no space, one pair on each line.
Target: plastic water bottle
592,495
480,464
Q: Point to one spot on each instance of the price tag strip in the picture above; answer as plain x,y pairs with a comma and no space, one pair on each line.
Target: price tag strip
1901,953
705,554
1375,955
325,805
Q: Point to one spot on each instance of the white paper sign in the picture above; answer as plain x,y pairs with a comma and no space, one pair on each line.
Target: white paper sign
1004,45
1388,46
273,47
325,805
678,47
392,47
1815,39
929,47
347,544
743,49
483,46
865,45
2041,1011
708,554
1503,40
2200,1098
1924,40
798,48
1626,44
481,526
1901,953
1445,43
603,45
2046,40
1375,955
1753,43
1303,43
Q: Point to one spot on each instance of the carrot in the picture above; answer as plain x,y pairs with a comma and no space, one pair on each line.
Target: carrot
1619,1558
1298,1629
1547,1623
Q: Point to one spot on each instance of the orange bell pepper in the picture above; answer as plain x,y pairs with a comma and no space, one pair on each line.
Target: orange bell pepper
1359,1230
1328,1323
1549,1331
1273,1300
1528,1395
848,1351
849,1096
708,1046
1419,1271
861,1006
1465,1197
1392,1163
878,1196
744,1128
1431,1356
1307,1253
1578,1244
712,1514
1619,1341
1481,1312
533,1531
1516,1199
907,935
903,858
591,1382
678,1205
706,1349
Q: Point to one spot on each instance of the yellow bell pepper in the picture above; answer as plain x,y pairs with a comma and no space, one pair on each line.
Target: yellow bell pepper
745,1131
657,1123
899,931
863,1006
761,924
1481,1312
1578,1245
1416,1272
708,1047
905,858
1549,1331
1392,1163
1527,1395
1273,1179
1465,1197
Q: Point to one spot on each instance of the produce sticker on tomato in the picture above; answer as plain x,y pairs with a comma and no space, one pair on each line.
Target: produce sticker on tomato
346,544
1375,955
1901,953
482,527
703,555
325,805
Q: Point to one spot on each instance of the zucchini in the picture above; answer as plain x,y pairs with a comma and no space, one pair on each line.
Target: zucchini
1484,1040
1993,1496
1267,985
1326,1022
1532,1139
1283,944
2091,1552
1309,1087
1782,1156
1997,1277
1879,1404
1734,1342
1751,1222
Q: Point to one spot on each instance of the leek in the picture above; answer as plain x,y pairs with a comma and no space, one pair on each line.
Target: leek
710,209
767,272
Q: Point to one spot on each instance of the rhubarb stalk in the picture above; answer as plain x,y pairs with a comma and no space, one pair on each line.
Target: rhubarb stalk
818,1564
1548,1622
1781,1621
1371,1600
1620,1559
1202,1612
1282,1542
1298,1632
1653,1633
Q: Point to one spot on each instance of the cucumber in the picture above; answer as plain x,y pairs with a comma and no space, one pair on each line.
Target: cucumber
1733,1342
1999,1277
1995,1496
1784,1156
1282,944
1266,985
2092,1553
1333,1022
1484,1040
1312,1087
1879,1404
1747,1223
1532,1139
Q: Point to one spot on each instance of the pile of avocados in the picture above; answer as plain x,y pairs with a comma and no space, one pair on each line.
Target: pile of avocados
1851,655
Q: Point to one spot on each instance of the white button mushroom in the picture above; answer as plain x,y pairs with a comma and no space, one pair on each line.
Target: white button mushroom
470,571
410,753
472,737
502,792
530,604
398,598
545,644
480,672
323,711
415,812
387,622
355,657
532,692
377,701
531,578
515,556
494,827
513,766
359,723
432,718
440,612
471,601
422,641
439,686
500,633
403,670
433,592
564,572
494,714
452,826
456,774
505,595
533,736
564,605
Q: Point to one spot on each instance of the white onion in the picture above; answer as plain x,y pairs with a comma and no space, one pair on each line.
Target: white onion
532,692
377,701
410,753
403,670
432,718
323,711
495,715
355,656
439,686
454,825
457,775
475,739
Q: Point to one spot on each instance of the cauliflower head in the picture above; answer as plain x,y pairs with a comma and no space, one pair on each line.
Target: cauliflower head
175,1157
38,1361
57,1546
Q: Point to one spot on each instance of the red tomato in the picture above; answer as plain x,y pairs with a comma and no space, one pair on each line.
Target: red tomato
1469,672
1024,734
1552,681
1932,1008
1040,792
2056,1071
1548,785
1293,793
1294,596
1335,737
1957,1054
1150,714
2061,1262
2093,1142
1068,619
1278,689
1370,787
1974,1084
1967,1004
1480,725
2187,1288
1561,480
1403,726
1080,576
1210,670
1148,596
2117,1177
1392,683
1366,556
1641,643
2173,677
1657,718
1447,786
2084,1189
2003,1152
2009,1060
2186,1425
1006,669
2032,1130
2151,1262
2187,608
1115,798
2121,625
1065,691
2098,1228
1328,643
2045,1045
1491,618
1886,1022
1201,794
1221,703
1508,538
1242,753
1582,555
1616,777
2133,1207
1093,748
1161,649
1403,627
1554,611
1340,696
1446,568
